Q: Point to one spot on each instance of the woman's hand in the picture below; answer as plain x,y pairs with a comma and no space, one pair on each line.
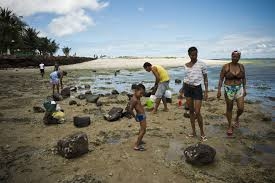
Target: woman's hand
244,92
219,94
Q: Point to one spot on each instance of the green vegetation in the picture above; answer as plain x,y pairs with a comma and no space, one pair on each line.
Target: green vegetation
66,51
17,38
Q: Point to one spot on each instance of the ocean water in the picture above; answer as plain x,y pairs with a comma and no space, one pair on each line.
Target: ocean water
260,80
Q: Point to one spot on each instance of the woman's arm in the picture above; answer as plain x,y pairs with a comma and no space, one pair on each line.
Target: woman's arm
221,81
244,82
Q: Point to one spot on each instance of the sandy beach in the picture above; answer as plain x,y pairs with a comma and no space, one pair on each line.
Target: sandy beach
27,146
135,63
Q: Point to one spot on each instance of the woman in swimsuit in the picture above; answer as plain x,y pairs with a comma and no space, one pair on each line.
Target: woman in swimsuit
233,75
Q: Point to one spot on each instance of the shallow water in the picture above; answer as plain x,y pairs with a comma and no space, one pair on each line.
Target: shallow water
260,77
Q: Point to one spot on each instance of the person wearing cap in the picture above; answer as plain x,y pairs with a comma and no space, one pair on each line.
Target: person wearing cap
234,79
161,84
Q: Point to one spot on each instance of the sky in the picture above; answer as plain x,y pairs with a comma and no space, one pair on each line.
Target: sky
154,27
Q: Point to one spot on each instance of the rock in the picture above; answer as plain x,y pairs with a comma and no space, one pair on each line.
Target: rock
81,97
73,146
90,98
66,92
115,92
99,103
169,100
271,98
88,92
82,121
72,102
147,94
177,81
114,114
267,118
38,109
87,86
49,119
186,115
199,154
57,97
73,89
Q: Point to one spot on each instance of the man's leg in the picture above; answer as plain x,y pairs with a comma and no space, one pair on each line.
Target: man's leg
192,115
142,131
198,115
157,102
164,103
57,86
53,86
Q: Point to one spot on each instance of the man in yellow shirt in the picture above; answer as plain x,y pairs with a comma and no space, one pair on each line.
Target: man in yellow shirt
161,83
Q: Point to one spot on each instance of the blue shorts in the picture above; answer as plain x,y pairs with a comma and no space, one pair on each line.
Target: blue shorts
140,117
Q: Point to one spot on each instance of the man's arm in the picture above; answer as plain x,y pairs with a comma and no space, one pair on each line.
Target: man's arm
221,81
155,72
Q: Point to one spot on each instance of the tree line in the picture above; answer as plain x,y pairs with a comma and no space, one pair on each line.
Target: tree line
17,37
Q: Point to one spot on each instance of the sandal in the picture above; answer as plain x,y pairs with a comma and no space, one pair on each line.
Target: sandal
229,132
203,138
139,148
236,124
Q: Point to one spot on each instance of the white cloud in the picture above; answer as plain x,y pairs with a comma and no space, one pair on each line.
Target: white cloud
140,9
31,7
70,23
71,17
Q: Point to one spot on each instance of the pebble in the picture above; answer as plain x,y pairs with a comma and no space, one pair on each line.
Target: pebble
110,174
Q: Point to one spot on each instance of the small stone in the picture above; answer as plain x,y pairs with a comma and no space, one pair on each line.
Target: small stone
115,92
38,109
110,174
86,86
88,92
72,102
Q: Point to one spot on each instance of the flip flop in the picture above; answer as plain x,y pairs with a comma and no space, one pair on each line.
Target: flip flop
203,138
229,133
140,148
236,125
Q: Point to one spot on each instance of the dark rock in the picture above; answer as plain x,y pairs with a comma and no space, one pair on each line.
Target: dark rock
177,81
267,118
81,96
87,86
57,97
124,93
147,94
73,145
49,119
99,103
38,109
82,121
90,98
72,102
88,92
66,92
271,98
73,89
199,154
169,100
115,92
114,114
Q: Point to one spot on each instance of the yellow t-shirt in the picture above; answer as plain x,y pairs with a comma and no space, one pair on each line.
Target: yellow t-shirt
163,74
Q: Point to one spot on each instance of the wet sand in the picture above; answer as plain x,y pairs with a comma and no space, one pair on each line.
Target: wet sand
27,152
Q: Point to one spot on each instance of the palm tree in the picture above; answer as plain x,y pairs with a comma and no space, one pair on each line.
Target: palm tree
53,47
30,39
11,28
66,51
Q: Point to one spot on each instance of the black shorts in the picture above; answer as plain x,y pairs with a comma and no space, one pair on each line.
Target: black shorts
42,71
194,92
